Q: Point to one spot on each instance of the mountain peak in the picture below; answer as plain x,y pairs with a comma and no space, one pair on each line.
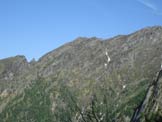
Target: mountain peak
84,40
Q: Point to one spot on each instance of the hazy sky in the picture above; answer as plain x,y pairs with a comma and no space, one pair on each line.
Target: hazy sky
35,27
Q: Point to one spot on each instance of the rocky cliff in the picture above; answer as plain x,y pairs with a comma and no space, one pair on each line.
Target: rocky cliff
150,109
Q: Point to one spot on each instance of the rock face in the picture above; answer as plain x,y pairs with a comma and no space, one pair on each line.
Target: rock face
150,110
86,80
11,69
16,65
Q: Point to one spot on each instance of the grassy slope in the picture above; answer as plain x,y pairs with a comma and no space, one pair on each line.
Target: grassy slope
35,104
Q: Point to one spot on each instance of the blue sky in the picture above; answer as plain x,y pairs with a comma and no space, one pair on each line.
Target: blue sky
35,27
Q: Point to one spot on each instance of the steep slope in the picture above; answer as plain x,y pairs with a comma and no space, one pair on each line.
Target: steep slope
15,72
150,109
11,68
77,83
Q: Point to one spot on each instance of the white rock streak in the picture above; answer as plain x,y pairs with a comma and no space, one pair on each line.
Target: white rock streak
124,86
108,57
105,64
106,53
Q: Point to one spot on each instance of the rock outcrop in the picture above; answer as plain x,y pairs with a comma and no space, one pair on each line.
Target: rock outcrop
150,110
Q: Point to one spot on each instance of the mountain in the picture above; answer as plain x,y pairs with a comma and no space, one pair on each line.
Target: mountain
86,80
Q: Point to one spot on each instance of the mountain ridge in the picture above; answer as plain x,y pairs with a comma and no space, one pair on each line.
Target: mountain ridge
81,68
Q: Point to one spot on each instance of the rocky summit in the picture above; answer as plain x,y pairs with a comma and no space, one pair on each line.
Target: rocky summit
87,80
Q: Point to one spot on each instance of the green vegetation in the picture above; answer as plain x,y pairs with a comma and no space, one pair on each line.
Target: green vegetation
45,101
33,105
